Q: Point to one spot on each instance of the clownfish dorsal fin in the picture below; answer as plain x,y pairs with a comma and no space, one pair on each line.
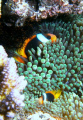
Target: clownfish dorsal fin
42,38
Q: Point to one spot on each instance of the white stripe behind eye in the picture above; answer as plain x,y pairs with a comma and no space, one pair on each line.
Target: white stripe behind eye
44,94
42,38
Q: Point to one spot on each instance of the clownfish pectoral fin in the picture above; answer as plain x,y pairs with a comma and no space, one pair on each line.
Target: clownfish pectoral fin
42,38
19,58
57,93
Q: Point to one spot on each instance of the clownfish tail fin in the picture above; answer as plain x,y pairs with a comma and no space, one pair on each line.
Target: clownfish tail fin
57,93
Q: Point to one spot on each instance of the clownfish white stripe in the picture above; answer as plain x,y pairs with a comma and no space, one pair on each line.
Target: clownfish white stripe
42,38
44,95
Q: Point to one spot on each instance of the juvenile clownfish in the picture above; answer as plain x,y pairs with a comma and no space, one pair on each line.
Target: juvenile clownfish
49,96
32,42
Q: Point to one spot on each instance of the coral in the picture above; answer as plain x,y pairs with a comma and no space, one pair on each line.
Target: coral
42,116
22,9
41,9
11,86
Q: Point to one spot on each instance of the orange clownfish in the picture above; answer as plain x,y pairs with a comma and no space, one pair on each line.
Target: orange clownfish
32,42
49,96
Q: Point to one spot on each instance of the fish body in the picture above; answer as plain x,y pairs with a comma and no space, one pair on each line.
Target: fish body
33,42
49,96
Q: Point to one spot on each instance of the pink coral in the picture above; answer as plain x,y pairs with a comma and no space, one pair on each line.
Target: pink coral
11,84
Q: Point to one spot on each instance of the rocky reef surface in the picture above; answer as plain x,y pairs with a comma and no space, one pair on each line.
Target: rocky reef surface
39,9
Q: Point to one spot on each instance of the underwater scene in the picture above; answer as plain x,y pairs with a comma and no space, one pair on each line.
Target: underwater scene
41,59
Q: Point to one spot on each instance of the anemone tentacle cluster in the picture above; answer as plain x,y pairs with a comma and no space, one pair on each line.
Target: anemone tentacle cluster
70,45
57,65
68,107
11,84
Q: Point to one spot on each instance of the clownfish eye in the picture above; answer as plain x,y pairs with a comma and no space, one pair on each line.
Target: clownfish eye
48,37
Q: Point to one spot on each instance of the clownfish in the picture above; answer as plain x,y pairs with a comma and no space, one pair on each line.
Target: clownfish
49,96
32,42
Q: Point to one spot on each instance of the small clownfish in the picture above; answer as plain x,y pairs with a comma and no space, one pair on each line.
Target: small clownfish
32,42
49,96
